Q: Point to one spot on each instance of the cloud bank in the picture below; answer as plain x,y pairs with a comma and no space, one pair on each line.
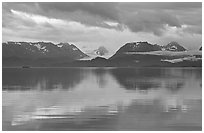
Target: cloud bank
108,24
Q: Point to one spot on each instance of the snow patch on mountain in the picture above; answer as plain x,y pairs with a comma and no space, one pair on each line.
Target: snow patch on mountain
173,48
135,44
74,48
18,43
38,46
43,48
59,45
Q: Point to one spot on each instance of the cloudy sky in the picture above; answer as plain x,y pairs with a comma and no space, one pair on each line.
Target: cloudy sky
90,25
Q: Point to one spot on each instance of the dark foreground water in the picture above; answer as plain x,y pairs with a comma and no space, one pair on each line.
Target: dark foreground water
102,99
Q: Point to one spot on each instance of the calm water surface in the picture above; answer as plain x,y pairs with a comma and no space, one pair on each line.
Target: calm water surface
102,99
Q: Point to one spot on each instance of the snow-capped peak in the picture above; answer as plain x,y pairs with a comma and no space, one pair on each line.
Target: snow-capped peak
174,46
62,44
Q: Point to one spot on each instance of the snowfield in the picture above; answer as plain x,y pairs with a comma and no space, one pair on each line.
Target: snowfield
169,53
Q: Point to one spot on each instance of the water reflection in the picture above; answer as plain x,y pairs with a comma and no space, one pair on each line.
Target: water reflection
41,78
102,99
100,74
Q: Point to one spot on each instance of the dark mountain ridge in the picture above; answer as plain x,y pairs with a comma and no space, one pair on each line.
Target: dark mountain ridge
139,47
135,54
39,53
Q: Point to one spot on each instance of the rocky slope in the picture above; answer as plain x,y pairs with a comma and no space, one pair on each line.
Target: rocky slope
173,46
33,53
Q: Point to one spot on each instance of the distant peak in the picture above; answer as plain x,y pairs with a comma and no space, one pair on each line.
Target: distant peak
174,46
142,46
61,44
101,51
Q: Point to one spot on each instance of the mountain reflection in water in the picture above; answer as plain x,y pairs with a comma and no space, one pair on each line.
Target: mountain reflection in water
102,99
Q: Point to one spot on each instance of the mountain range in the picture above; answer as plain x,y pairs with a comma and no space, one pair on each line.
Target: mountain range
39,53
133,54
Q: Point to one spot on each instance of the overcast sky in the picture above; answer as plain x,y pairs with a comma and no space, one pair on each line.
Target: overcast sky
90,25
